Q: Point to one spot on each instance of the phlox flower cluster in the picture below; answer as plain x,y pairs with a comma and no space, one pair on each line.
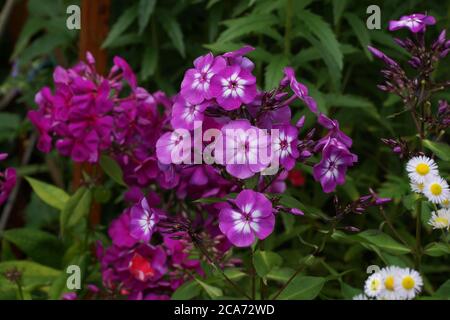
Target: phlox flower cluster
392,283
138,268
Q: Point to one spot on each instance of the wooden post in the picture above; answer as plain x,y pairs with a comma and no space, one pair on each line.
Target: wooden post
94,29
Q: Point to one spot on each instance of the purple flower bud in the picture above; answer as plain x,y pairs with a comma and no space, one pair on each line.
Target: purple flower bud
297,212
301,122
444,53
397,149
352,229
69,296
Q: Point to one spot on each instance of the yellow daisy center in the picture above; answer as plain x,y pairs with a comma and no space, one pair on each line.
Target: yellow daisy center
408,282
420,186
422,169
446,202
389,283
435,189
374,285
442,221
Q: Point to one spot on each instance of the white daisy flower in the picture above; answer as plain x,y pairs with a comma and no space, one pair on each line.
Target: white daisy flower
390,276
361,296
417,187
436,189
373,285
409,283
421,167
446,203
440,219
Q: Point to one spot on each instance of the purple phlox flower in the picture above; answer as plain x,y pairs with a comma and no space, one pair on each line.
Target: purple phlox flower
380,55
196,85
8,180
43,125
184,113
334,131
237,58
415,22
119,231
70,296
249,216
284,145
233,86
300,90
143,221
244,149
331,169
128,73
174,147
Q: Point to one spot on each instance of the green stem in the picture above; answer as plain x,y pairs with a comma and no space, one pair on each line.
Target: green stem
418,235
19,289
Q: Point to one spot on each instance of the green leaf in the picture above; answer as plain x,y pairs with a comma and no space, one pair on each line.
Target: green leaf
376,238
302,288
256,23
442,150
348,292
360,31
51,195
81,209
43,46
173,30
122,23
212,291
34,275
31,27
338,9
444,291
187,291
321,29
69,208
41,246
437,249
274,71
112,169
149,62
265,261
146,8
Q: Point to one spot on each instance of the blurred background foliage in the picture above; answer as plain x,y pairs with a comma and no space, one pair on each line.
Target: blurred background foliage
324,40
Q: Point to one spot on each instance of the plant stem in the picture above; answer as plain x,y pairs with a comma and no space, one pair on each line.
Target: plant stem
261,280
418,230
214,264
253,274
391,226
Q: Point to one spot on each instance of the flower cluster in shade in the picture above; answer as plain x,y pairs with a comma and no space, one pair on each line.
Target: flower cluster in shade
424,58
143,261
8,179
392,283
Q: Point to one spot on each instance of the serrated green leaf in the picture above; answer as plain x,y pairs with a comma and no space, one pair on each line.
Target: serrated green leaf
122,23
51,195
360,31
